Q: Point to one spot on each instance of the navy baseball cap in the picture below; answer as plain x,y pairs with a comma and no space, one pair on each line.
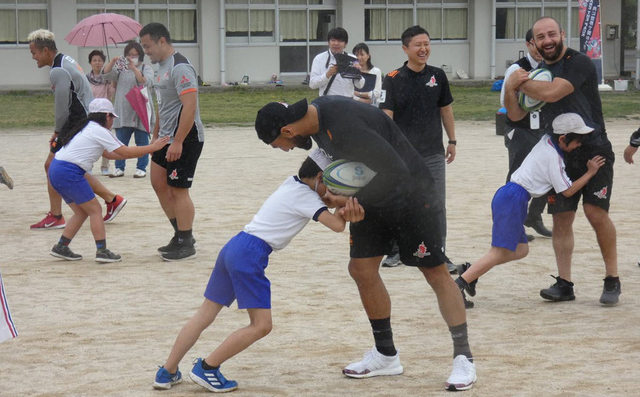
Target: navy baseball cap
275,115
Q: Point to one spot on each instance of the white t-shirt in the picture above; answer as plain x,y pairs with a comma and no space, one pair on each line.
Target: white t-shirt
285,213
87,146
542,170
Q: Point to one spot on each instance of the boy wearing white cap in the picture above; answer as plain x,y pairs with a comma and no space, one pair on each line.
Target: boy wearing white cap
542,170
82,147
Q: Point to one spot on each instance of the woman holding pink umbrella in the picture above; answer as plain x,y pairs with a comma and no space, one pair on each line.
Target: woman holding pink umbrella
129,72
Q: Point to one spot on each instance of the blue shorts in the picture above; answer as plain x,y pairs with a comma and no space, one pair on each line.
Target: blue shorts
509,210
239,274
69,181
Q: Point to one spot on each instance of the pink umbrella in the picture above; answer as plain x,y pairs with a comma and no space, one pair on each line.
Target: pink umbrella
101,29
138,97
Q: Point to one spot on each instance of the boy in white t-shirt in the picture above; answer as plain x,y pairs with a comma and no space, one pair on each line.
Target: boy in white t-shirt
239,273
542,170
82,147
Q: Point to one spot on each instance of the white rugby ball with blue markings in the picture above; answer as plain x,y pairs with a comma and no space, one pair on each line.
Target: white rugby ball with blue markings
345,178
531,104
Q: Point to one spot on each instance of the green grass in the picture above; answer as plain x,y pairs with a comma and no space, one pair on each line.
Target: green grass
238,105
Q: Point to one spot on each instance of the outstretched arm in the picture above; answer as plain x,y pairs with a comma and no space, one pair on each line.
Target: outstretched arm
593,166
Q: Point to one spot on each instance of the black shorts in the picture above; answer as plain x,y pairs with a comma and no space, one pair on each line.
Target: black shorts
180,172
414,227
597,191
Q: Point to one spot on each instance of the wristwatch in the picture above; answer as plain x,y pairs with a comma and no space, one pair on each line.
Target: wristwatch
452,142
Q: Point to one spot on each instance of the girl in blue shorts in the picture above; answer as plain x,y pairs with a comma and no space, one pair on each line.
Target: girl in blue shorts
80,149
239,274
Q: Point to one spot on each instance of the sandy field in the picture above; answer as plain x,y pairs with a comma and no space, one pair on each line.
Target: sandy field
102,330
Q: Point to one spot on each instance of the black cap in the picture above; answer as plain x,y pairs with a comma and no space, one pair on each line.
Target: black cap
275,115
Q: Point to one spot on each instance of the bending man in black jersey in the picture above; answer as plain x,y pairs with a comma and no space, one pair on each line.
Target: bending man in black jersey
397,206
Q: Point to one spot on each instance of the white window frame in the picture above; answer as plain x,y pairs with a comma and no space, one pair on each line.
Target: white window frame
16,7
569,6
414,6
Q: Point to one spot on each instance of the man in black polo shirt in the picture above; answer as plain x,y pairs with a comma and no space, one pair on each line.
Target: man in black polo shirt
574,89
397,207
417,97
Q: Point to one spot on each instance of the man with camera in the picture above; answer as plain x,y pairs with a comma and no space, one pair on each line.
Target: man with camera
335,72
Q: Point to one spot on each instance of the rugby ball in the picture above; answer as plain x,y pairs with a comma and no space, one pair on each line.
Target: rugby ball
345,178
526,102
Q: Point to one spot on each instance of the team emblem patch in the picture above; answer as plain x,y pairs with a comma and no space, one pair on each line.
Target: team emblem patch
173,175
422,251
184,80
602,193
432,82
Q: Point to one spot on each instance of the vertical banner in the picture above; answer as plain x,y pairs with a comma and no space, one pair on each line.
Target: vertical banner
590,39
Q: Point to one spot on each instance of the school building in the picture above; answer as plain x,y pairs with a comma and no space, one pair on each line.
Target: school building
227,39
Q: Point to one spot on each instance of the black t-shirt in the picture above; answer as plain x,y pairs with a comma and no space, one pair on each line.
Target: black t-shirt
357,131
579,70
416,99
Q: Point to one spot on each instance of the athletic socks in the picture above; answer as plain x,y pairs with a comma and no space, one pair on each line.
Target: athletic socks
63,240
460,341
383,336
208,367
184,237
100,244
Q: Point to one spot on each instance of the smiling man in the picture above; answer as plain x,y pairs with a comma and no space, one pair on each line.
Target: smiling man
574,89
417,97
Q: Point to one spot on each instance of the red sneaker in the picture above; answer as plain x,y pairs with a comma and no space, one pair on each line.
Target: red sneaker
114,208
49,222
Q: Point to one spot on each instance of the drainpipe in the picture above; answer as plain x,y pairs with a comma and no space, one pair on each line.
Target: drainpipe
493,40
222,44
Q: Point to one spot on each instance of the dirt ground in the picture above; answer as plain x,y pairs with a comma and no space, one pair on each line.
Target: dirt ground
94,330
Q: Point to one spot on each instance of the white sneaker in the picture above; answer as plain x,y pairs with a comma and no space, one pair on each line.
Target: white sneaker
463,375
374,363
139,174
117,173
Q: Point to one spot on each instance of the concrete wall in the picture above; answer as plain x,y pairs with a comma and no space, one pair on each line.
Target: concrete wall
260,62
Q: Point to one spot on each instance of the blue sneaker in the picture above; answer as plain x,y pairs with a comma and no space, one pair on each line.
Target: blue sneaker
212,380
164,380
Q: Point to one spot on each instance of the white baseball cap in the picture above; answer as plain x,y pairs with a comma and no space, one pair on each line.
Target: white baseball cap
102,105
570,122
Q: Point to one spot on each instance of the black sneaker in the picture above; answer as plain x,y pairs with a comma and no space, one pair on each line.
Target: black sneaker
453,269
64,252
103,255
467,303
610,291
538,226
562,290
469,287
179,253
173,245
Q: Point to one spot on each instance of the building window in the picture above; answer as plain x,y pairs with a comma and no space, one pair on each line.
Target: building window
250,21
385,20
179,16
18,18
514,18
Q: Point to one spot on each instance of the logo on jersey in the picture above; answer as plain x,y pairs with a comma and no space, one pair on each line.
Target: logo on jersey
551,199
184,80
422,251
174,174
602,193
432,82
